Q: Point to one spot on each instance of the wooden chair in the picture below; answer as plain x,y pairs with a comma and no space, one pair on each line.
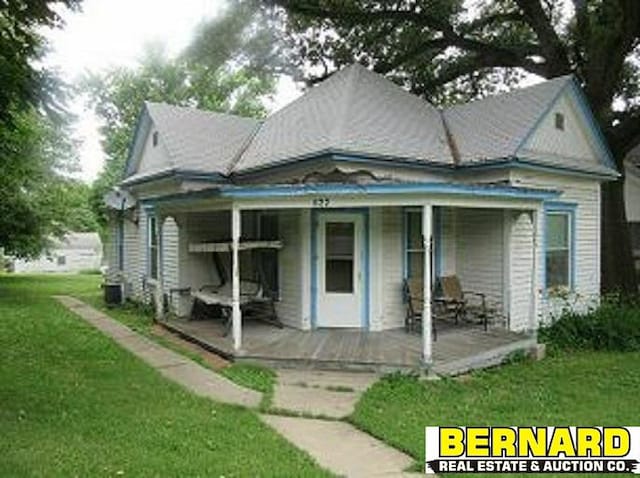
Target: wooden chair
455,301
413,297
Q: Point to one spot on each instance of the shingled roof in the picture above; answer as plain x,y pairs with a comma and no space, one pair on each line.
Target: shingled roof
359,112
354,111
494,127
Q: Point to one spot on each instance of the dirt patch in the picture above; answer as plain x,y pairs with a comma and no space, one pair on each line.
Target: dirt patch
215,362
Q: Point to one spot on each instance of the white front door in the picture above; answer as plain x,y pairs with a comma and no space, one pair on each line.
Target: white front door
340,282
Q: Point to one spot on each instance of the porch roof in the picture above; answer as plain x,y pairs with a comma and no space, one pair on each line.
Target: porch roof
285,191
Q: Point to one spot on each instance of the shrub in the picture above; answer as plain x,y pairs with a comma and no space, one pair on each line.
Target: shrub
614,326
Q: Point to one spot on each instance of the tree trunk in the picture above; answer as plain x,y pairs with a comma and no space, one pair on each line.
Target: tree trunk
618,268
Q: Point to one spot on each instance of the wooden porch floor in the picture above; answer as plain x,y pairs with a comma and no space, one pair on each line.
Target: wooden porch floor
456,350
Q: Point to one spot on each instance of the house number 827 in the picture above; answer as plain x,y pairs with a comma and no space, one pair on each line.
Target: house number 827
321,202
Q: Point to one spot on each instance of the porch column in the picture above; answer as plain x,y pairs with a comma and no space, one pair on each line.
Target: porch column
236,315
427,234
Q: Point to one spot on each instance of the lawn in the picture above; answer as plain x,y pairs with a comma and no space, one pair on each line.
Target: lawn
588,388
72,403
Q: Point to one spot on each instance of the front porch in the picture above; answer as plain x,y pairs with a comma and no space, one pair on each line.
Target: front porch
457,349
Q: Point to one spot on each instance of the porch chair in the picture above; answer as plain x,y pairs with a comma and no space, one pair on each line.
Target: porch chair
455,301
413,297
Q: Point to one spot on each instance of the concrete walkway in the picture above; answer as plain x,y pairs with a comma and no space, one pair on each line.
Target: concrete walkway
335,445
323,393
172,365
340,447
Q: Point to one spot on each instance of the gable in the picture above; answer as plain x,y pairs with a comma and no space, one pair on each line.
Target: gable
576,139
153,157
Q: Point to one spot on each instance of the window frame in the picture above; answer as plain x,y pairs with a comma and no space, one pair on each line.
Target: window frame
569,210
408,251
437,238
153,251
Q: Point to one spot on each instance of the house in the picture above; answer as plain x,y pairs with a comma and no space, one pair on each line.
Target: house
75,252
349,190
632,200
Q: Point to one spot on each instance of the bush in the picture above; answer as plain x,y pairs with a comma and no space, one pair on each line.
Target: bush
613,326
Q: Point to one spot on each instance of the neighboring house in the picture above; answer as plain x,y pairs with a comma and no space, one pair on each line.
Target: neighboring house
348,180
632,200
77,251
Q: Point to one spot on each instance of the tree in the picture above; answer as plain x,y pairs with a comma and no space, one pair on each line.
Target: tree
118,97
36,152
38,200
446,50
22,83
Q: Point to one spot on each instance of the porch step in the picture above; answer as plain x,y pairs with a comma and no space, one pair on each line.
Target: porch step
490,358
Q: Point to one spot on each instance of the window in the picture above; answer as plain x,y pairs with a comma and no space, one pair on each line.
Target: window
339,257
153,247
62,260
155,139
560,121
414,245
558,253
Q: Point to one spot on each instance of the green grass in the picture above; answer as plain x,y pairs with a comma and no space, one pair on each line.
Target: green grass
73,403
252,376
589,388
140,319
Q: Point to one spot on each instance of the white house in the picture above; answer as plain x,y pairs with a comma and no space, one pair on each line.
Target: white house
76,252
350,190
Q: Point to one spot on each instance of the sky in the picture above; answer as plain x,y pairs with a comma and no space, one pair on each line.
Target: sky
107,33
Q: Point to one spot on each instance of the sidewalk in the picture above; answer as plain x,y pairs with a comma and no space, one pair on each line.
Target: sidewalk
335,445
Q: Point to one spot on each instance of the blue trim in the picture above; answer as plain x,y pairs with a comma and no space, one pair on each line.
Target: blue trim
569,208
541,118
341,156
298,190
528,164
141,115
580,98
314,268
365,259
179,174
596,131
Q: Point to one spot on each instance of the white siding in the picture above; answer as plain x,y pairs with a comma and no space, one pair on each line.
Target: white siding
520,264
479,252
585,194
170,255
392,266
290,258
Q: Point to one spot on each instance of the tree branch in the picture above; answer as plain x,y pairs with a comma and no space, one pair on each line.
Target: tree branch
552,47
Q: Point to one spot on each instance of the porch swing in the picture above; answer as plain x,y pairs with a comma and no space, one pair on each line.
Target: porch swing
257,299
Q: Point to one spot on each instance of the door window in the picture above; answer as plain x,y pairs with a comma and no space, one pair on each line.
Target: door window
339,257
